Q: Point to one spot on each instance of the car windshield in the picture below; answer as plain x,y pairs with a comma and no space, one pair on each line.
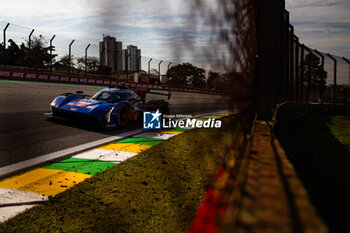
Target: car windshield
110,96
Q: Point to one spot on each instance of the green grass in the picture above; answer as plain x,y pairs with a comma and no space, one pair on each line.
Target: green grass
159,190
319,148
340,129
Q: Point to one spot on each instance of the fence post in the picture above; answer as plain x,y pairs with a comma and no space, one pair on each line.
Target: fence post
321,78
270,68
86,59
347,61
291,53
309,73
5,52
335,77
29,45
69,58
159,71
296,68
169,66
138,64
127,55
138,69
302,73
51,53
149,69
287,52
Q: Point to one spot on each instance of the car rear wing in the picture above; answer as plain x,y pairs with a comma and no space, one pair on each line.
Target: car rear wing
150,91
143,92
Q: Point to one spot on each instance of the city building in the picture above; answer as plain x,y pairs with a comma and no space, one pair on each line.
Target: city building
131,58
111,53
120,60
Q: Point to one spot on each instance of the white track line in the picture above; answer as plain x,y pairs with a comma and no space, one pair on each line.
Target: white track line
105,155
63,153
164,136
9,196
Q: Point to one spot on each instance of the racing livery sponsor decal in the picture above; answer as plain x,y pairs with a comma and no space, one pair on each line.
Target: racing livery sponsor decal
81,104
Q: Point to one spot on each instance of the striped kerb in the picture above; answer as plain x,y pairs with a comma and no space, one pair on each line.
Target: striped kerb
56,177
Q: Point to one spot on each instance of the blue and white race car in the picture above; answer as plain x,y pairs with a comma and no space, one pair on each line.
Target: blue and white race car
108,108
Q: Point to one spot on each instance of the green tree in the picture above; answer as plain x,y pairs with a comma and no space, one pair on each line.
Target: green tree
154,72
38,57
316,72
104,70
40,53
14,54
93,64
186,74
216,81
63,64
19,55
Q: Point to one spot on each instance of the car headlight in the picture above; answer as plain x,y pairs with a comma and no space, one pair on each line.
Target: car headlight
109,113
53,103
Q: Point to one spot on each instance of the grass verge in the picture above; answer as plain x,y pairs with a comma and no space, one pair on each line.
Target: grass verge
319,148
159,190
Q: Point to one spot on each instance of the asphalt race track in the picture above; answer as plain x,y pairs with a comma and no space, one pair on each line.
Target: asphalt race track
25,133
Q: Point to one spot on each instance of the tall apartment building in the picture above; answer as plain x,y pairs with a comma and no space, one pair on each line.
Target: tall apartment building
111,53
131,57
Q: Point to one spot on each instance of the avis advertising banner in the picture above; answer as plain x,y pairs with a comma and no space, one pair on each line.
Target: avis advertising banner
24,75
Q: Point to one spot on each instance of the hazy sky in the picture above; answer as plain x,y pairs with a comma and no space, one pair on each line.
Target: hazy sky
322,24
162,28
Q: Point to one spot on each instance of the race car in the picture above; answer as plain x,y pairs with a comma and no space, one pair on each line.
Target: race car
108,108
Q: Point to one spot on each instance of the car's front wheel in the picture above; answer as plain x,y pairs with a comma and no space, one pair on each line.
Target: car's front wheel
123,115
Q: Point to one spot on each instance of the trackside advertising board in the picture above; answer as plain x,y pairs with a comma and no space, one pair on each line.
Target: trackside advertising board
24,75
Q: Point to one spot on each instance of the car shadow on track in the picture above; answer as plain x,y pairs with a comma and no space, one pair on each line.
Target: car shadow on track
93,128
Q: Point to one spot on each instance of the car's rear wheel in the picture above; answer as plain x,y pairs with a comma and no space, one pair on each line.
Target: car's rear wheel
166,109
123,115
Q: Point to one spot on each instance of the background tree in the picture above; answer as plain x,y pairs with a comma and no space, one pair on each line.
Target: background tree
186,74
154,71
19,55
316,72
39,54
104,70
14,54
93,64
78,65
63,64
216,81
344,91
